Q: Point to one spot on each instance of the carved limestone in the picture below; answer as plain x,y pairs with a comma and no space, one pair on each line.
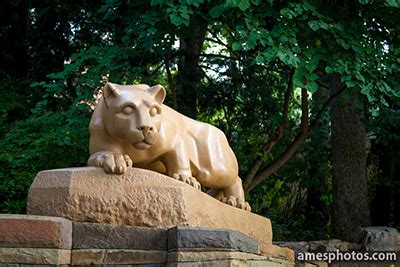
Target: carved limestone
131,127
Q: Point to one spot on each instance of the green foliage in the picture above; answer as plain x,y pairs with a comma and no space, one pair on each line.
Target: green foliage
286,196
54,140
304,34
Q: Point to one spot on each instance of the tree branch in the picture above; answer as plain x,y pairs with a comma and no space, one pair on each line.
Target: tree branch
219,41
291,150
205,74
275,136
315,121
219,56
305,129
321,84
154,71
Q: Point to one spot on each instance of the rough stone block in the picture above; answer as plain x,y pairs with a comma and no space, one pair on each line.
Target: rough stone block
232,263
135,256
276,252
139,197
117,256
330,245
96,235
35,256
299,246
27,231
223,263
87,256
380,239
190,237
191,256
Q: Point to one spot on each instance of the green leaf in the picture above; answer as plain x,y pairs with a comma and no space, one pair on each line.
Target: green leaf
371,98
312,87
157,2
346,78
339,26
314,25
357,48
384,102
259,59
286,12
176,20
392,3
280,54
360,77
195,3
311,76
323,25
298,82
350,84
185,15
314,62
343,43
34,84
237,46
216,11
252,41
299,76
384,87
364,89
230,3
244,4
283,38
328,69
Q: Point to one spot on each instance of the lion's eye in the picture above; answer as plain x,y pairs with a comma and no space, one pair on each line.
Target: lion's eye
128,110
153,112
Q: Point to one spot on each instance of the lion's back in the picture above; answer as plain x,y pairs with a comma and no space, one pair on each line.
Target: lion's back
210,154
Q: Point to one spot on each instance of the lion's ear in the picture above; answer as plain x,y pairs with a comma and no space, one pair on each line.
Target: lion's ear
158,92
109,91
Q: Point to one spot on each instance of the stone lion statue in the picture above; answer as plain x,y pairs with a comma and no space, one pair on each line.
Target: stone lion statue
131,126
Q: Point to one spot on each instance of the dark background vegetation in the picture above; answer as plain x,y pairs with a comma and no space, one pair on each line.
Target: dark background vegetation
307,93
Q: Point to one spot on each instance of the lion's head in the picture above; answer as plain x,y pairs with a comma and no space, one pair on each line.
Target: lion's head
132,113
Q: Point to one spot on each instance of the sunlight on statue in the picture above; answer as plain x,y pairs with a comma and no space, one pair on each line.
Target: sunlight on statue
130,126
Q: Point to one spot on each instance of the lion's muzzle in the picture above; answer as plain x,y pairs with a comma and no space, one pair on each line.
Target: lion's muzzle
146,130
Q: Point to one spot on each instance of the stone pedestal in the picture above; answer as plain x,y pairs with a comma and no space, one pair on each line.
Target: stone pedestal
51,241
141,217
139,198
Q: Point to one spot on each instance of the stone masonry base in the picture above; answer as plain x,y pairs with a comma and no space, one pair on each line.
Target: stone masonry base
49,241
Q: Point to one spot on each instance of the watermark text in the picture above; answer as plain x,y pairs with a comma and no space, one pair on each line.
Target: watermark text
346,256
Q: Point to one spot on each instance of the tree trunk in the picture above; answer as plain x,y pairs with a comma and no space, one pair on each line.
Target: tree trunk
348,141
189,75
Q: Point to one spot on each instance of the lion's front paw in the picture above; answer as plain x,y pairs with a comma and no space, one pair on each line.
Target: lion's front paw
112,162
187,179
233,201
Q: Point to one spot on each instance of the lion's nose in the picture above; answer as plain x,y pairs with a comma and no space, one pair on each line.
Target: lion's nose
146,130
